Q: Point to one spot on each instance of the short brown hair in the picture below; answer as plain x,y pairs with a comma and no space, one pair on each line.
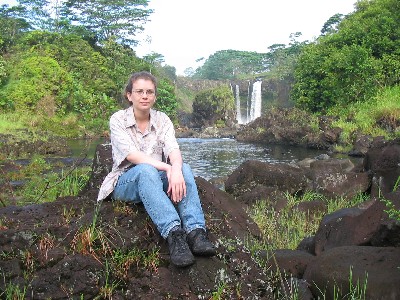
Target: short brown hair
139,75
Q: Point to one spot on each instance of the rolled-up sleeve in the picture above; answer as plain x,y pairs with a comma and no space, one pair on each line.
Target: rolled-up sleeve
122,143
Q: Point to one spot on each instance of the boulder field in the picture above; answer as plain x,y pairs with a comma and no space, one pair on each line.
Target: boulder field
75,248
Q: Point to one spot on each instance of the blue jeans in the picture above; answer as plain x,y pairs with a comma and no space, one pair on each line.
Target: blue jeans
144,183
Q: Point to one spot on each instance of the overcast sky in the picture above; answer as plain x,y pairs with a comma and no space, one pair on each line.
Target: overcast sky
186,30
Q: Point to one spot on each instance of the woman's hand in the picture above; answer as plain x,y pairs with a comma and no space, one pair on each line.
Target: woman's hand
176,183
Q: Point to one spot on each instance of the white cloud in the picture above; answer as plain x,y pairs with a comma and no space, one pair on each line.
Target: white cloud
185,30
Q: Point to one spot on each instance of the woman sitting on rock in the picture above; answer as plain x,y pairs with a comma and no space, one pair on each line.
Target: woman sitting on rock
148,168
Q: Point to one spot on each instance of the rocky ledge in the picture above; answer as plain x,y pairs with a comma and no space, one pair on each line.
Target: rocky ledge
76,249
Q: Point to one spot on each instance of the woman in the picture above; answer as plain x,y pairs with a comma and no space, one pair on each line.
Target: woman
148,168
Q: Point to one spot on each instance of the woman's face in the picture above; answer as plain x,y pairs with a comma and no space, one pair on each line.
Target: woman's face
142,95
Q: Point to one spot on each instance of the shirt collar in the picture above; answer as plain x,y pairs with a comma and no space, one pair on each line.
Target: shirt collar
131,121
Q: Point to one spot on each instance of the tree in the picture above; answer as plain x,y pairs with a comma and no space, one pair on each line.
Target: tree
118,19
12,25
214,107
326,77
331,25
354,62
231,64
166,100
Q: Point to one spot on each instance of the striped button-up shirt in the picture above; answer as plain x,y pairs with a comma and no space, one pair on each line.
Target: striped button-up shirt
158,141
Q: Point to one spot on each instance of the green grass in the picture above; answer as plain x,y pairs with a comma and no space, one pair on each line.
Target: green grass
9,123
48,187
30,126
43,185
378,116
286,228
13,292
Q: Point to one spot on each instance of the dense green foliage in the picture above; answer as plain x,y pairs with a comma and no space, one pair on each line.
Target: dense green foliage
353,63
65,62
278,62
214,106
111,19
61,76
230,64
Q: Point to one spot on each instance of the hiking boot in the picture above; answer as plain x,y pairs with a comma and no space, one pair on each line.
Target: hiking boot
199,243
178,249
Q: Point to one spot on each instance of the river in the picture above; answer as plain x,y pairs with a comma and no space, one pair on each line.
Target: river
213,158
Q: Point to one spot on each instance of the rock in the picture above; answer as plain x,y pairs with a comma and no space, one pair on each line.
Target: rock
290,263
334,178
307,244
361,145
228,215
261,192
375,270
251,174
350,226
73,247
294,288
101,166
313,208
383,160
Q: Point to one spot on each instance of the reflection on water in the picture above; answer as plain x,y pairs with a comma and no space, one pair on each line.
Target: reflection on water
85,147
210,158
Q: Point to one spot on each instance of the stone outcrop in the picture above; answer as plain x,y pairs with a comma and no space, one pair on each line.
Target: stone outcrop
357,246
281,126
374,270
75,249
329,177
77,242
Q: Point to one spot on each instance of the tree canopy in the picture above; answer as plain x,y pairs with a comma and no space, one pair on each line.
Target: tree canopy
354,62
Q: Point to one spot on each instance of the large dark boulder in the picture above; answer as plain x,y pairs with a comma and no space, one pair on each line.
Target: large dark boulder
349,226
101,166
335,177
383,161
74,247
251,174
374,270
290,263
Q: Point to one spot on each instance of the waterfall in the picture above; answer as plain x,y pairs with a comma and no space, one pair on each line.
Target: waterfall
247,109
255,105
238,112
248,104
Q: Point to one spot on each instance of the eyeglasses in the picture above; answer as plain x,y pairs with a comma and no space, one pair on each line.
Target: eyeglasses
142,92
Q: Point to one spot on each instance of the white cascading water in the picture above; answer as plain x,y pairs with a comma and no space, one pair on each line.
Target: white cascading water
238,112
255,108
253,103
248,104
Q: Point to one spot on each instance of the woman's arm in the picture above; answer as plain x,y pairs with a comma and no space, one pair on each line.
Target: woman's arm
177,185
138,157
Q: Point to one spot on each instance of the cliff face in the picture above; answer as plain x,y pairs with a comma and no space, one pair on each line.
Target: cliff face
273,92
